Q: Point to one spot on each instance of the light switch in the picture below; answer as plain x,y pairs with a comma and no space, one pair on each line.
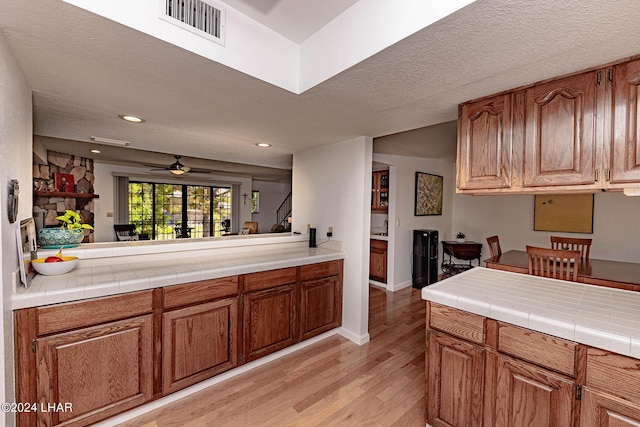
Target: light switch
109,214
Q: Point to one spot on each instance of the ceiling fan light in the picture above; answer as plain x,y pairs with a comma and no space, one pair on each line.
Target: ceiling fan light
177,171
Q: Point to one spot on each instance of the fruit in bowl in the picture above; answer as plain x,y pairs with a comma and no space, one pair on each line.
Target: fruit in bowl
49,267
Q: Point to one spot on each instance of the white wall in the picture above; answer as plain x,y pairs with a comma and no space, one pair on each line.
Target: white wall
104,186
616,234
272,194
332,188
403,187
15,157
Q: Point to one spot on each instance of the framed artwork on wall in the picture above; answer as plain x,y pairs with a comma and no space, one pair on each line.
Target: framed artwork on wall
428,196
64,182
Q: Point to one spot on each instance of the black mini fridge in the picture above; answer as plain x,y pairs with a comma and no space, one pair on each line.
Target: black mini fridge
425,258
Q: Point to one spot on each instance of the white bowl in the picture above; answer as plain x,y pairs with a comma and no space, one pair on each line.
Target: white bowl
67,264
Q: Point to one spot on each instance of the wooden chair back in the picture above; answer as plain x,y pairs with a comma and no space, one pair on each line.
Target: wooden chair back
572,244
553,263
494,246
251,225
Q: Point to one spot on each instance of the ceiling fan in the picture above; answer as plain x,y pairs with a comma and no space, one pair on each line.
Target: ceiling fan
178,168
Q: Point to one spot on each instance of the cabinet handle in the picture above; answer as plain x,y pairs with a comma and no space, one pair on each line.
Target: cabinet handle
607,174
597,174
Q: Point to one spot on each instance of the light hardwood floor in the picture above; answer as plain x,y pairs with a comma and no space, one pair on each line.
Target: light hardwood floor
332,382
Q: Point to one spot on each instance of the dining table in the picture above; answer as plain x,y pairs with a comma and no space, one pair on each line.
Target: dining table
602,272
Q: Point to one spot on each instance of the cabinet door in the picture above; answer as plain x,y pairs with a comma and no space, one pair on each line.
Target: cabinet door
625,155
198,342
320,306
269,319
100,371
454,381
378,260
530,396
604,410
485,144
380,191
560,142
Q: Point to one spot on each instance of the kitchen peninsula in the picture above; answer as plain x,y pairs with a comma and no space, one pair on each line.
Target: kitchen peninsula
507,349
136,321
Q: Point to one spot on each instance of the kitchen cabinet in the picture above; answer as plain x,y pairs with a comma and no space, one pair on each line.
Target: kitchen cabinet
97,355
483,372
198,342
527,395
380,191
454,389
560,137
574,133
320,298
270,315
109,354
378,260
485,143
611,396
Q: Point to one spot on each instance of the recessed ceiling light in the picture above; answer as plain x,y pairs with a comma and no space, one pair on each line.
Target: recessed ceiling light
263,145
96,151
130,118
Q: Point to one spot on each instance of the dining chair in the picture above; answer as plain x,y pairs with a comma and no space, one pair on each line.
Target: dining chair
572,244
494,246
125,232
553,263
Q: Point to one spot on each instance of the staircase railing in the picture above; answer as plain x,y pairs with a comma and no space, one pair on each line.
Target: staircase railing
284,211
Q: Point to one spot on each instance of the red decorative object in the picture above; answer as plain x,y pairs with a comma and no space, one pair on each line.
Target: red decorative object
64,182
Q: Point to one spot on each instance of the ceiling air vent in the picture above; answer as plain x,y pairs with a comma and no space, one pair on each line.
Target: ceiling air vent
203,18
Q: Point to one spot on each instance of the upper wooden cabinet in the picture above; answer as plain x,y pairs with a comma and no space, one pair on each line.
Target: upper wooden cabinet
573,133
560,132
625,151
380,191
485,144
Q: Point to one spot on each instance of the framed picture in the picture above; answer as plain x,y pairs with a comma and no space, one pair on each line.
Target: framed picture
64,182
429,190
571,213
27,249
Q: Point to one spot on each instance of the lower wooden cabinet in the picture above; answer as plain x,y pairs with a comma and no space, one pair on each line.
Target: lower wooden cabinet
100,371
455,381
269,317
378,260
605,410
526,395
107,355
198,343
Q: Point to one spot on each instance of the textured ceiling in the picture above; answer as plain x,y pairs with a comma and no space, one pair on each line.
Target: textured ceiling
85,70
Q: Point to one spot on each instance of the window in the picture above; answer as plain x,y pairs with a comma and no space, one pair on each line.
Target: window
169,211
255,202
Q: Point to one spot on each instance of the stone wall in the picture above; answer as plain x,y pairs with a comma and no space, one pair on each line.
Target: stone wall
43,180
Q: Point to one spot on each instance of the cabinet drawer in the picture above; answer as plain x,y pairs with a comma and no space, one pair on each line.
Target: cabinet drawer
61,317
459,323
206,290
378,244
544,350
616,374
322,269
269,279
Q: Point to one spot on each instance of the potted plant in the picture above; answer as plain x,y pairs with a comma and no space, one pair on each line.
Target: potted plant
68,235
460,237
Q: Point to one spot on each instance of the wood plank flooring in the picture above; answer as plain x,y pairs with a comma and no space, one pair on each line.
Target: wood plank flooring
331,383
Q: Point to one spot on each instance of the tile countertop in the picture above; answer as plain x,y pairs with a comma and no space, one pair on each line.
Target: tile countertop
95,277
601,317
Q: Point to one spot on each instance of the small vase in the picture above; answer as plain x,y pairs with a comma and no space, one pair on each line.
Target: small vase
460,239
55,238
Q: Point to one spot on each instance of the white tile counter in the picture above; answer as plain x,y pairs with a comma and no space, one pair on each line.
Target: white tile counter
115,269
601,317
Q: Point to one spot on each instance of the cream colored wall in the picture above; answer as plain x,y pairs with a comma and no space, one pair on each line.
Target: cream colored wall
616,233
332,188
15,156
